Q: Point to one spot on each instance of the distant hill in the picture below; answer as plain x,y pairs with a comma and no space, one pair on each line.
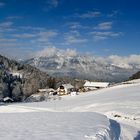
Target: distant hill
135,76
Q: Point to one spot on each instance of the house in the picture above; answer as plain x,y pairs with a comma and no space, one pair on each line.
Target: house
64,89
69,87
8,100
95,85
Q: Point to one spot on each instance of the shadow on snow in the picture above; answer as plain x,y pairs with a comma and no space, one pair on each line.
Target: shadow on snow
138,136
116,129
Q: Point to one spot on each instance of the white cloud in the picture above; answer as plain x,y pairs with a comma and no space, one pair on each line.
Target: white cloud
98,38
90,14
98,35
49,4
7,30
104,26
114,13
116,60
132,59
107,34
33,36
44,36
6,24
6,27
47,52
14,17
76,25
48,34
74,33
74,37
121,61
9,44
41,38
124,61
53,51
7,40
70,52
24,35
30,28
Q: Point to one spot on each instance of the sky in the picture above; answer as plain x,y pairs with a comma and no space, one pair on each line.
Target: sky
99,27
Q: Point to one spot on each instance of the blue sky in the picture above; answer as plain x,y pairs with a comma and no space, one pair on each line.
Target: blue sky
99,27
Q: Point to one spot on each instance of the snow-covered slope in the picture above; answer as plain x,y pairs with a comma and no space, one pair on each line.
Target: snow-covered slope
117,116
54,126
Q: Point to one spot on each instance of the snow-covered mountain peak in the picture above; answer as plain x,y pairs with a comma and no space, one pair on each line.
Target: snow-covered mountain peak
68,62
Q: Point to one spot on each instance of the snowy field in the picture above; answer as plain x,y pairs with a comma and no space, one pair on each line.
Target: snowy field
108,114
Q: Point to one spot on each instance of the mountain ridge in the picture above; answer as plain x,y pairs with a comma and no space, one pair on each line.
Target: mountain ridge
81,66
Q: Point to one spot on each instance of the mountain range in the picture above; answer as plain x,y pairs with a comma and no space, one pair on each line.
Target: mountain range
19,81
69,64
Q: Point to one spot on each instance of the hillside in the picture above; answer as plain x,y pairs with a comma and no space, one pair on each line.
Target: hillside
19,81
135,76
117,116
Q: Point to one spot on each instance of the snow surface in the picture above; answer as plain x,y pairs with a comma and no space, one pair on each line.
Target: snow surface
108,114
54,126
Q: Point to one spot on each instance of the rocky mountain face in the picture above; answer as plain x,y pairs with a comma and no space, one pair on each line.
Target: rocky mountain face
19,81
79,66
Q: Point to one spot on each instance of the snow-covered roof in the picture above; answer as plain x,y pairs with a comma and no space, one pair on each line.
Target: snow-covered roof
96,84
42,90
68,86
7,98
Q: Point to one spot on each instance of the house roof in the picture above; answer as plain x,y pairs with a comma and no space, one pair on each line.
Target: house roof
42,90
96,84
68,86
7,99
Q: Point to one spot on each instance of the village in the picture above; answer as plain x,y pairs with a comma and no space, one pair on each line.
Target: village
68,89
49,94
